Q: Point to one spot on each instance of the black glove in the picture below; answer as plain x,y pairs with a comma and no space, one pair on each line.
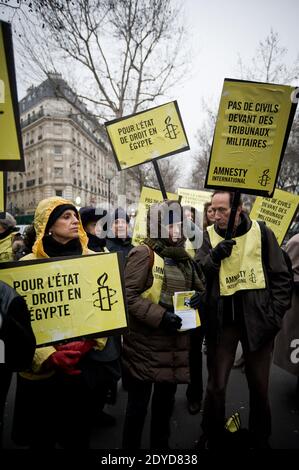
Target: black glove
171,322
196,300
222,250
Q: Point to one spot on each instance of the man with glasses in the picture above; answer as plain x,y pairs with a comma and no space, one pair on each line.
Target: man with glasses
248,292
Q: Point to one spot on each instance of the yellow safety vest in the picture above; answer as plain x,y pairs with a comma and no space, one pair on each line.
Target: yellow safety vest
6,253
154,292
190,248
243,269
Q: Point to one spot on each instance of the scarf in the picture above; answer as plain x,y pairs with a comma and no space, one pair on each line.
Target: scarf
95,243
55,249
180,271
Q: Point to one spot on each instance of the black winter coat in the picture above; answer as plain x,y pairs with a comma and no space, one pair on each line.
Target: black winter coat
119,245
15,331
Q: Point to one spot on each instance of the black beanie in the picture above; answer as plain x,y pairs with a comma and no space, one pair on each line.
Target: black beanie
57,212
120,213
91,214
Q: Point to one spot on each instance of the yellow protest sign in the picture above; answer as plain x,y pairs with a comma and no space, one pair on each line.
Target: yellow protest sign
251,133
277,211
148,197
194,197
11,150
142,137
2,192
70,297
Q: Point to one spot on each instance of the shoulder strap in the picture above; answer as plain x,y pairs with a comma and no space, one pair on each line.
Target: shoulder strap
264,240
151,256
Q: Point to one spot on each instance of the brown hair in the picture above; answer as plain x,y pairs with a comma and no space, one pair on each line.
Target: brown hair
231,196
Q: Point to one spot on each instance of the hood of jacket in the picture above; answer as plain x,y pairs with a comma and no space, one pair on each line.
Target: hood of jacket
41,217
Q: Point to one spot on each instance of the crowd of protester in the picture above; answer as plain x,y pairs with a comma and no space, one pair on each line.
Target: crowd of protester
62,389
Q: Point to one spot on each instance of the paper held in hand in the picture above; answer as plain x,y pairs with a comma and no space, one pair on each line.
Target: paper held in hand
190,316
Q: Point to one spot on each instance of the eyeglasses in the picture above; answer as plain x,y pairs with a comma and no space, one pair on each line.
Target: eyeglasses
221,210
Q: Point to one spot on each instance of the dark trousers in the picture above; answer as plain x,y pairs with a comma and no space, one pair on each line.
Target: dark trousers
220,359
139,394
5,379
52,410
62,408
194,390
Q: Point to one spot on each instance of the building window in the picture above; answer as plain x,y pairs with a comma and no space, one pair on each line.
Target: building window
58,172
57,149
21,186
58,192
75,181
57,128
40,181
40,132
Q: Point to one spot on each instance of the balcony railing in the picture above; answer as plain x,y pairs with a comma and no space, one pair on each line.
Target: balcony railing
32,118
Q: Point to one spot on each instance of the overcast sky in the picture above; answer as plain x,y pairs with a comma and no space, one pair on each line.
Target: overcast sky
220,31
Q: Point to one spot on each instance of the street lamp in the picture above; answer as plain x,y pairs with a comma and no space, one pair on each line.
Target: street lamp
109,176
78,202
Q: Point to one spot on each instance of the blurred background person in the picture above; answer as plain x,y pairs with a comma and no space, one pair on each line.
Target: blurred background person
208,215
90,216
118,239
28,240
110,356
8,231
194,391
286,343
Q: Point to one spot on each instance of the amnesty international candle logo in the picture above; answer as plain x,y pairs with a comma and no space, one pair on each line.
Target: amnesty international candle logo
264,179
61,296
171,129
252,276
104,294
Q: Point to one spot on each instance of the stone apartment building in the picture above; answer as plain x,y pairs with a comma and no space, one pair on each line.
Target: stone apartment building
66,153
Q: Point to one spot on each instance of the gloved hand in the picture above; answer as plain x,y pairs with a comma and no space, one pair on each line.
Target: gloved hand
171,322
222,250
66,361
196,300
82,346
